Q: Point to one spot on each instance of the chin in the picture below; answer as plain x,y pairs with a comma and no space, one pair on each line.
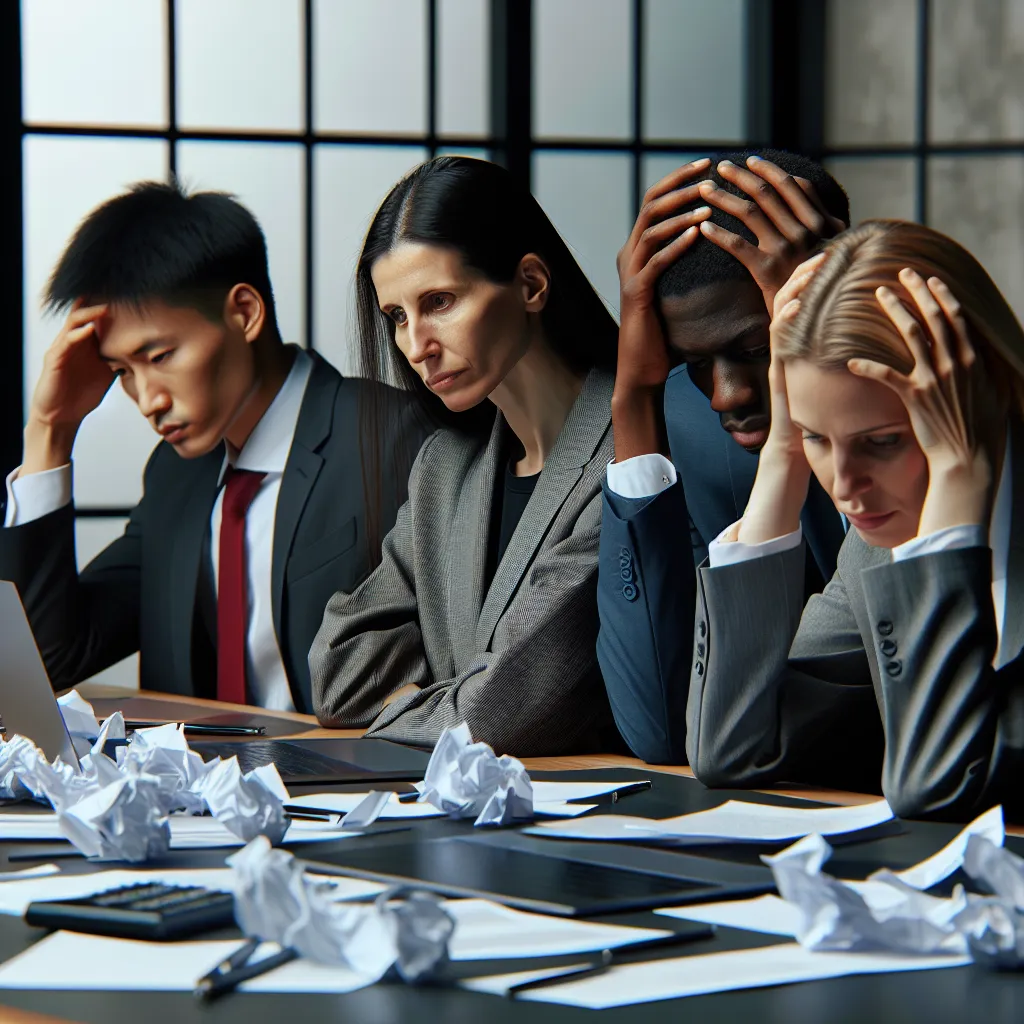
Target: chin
883,538
196,447
462,401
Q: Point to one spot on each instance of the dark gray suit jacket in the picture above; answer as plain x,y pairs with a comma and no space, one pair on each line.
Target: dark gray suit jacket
514,659
885,676
646,585
144,591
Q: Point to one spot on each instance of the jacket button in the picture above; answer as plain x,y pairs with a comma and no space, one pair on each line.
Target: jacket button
894,668
702,628
625,555
884,627
888,647
626,574
700,650
629,592
699,668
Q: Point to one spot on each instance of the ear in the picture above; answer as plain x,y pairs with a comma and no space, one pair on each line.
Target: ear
245,310
534,280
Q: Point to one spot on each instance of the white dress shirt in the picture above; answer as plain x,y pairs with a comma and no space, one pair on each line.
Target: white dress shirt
266,451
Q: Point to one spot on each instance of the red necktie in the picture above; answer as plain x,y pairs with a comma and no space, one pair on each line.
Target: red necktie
240,487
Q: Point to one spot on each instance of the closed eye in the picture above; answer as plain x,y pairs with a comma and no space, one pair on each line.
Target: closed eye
814,438
161,356
884,440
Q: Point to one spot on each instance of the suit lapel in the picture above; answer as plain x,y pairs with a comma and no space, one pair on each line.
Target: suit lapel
584,427
1013,615
300,475
191,525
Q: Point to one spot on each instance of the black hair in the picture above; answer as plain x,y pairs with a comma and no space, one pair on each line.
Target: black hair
479,210
705,263
156,241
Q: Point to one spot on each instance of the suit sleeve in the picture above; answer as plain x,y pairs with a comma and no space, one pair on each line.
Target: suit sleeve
646,593
784,691
953,724
82,622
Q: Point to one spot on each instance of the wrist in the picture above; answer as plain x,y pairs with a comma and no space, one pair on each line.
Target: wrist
47,446
638,421
958,495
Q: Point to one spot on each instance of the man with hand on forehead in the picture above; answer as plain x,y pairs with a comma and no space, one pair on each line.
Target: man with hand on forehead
253,512
713,243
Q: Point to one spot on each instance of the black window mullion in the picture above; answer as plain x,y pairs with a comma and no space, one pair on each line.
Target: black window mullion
636,178
172,89
512,86
431,97
308,142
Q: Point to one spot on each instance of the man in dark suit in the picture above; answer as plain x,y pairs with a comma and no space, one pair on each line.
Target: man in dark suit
714,242
253,513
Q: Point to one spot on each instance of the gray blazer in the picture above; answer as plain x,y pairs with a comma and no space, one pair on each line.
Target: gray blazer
517,660
888,674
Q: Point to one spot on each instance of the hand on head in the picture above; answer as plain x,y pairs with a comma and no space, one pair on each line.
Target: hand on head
958,416
784,213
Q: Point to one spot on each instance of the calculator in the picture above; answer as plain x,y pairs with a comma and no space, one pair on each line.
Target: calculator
148,911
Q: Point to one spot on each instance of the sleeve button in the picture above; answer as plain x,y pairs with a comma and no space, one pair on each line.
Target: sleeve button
884,627
888,647
894,667
629,592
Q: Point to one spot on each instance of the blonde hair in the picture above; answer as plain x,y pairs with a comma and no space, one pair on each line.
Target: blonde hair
840,319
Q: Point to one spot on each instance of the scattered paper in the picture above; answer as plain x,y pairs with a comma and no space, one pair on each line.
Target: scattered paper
951,857
37,872
707,973
367,811
994,926
80,720
735,821
468,780
343,803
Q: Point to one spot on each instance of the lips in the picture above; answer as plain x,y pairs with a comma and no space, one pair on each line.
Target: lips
750,433
174,433
441,381
869,521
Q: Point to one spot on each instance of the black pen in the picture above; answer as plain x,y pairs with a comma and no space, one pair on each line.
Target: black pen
409,798
218,983
311,814
608,958
235,959
633,787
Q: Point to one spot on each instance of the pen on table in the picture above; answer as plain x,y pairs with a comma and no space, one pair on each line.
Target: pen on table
309,813
608,958
409,798
633,787
219,982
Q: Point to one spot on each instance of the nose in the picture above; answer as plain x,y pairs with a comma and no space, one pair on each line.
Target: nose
422,344
849,478
733,388
152,399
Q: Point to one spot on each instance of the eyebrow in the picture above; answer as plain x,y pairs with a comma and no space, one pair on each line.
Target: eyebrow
144,349
856,433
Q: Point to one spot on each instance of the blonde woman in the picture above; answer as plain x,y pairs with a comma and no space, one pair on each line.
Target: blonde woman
897,379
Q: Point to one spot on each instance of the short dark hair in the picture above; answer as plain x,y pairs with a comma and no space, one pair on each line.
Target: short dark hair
704,262
156,241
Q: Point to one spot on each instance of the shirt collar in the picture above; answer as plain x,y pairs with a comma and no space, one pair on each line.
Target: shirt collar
268,446
1002,514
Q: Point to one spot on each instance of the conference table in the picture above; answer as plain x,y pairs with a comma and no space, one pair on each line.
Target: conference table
955,994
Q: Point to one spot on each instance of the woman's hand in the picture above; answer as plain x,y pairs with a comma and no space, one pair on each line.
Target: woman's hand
958,416
780,487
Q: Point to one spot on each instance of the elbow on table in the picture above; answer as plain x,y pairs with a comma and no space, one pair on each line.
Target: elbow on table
913,795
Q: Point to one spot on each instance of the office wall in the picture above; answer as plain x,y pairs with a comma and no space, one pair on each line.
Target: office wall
309,110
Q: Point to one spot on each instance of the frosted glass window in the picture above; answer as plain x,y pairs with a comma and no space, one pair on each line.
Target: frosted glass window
65,177
350,184
269,179
870,72
463,67
878,187
99,63
694,69
582,58
656,166
240,64
587,196
979,201
977,70
370,66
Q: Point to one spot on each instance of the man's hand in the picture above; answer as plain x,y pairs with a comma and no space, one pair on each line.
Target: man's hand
655,243
73,382
784,214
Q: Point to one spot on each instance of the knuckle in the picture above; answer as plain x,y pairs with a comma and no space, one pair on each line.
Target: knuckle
750,208
765,189
805,240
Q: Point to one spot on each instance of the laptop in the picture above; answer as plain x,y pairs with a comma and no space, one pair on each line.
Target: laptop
27,704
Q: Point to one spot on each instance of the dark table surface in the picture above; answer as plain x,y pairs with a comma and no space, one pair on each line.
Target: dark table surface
956,994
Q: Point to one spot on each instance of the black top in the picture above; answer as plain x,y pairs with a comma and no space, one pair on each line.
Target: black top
511,494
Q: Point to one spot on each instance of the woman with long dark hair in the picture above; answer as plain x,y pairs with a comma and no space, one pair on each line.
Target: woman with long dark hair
483,608
897,379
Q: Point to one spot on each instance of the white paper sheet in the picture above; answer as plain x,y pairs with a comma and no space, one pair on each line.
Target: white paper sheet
41,871
345,802
95,962
16,896
735,821
486,930
710,972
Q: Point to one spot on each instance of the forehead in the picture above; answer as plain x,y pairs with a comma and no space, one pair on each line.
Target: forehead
123,329
836,403
412,267
711,318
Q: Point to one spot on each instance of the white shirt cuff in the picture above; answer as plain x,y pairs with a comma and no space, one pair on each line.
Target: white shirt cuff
725,552
643,476
953,538
36,495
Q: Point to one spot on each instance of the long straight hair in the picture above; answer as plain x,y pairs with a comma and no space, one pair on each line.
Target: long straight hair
477,209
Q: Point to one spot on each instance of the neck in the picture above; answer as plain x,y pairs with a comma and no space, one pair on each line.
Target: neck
273,363
535,398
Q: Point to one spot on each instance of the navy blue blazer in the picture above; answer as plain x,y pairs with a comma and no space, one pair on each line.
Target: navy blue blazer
650,547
